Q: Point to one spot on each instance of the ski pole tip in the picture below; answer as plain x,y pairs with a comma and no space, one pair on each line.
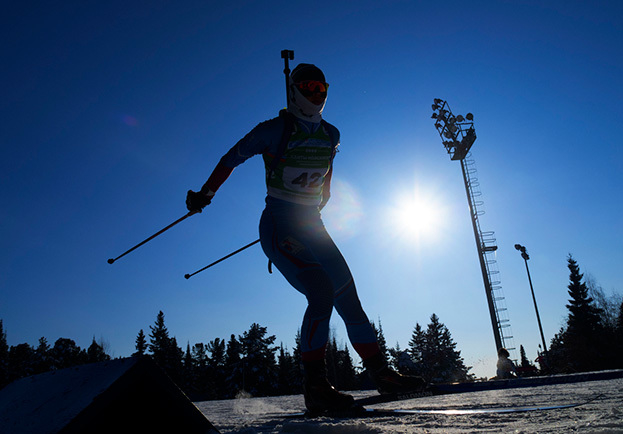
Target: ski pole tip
111,260
187,276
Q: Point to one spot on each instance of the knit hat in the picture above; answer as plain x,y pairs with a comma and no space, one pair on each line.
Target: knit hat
306,71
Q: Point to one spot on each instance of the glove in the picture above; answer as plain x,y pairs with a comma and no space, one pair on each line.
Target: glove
196,200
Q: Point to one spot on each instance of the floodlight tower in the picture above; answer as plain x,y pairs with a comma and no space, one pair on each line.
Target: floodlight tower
458,135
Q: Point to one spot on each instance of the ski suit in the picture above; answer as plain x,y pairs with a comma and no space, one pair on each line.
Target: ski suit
292,233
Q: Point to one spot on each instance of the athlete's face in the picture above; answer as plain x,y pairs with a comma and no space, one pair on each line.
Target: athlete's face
317,98
315,91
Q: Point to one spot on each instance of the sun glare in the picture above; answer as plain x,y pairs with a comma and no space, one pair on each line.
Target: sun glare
416,216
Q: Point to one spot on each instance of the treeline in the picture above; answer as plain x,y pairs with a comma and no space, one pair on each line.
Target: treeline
24,360
252,363
591,339
249,363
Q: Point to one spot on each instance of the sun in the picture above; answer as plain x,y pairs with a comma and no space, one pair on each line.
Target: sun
416,216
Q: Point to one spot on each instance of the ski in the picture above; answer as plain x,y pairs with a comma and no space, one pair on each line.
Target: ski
479,386
379,399
361,412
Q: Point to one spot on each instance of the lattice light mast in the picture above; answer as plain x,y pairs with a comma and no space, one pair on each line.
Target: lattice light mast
458,135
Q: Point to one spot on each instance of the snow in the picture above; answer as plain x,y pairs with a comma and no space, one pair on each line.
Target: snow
603,415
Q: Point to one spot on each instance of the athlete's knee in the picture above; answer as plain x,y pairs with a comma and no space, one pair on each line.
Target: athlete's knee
349,306
318,289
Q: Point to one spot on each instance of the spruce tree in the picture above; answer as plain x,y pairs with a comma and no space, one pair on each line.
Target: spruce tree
288,377
43,362
331,359
217,363
380,337
140,344
348,376
585,348
159,340
233,367
417,344
164,349
4,358
435,354
524,363
204,377
188,379
259,366
96,353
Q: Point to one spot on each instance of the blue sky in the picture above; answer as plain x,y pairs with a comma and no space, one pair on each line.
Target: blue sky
111,111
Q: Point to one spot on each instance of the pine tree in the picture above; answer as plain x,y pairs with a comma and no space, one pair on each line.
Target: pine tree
340,368
380,337
66,354
165,351
557,356
584,346
417,344
96,353
140,344
288,377
435,353
402,361
526,368
203,386
4,358
296,352
159,340
259,366
331,358
43,362
217,362
525,363
348,376
21,361
233,367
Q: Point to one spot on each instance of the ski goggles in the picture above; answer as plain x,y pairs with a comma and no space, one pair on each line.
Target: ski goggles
309,87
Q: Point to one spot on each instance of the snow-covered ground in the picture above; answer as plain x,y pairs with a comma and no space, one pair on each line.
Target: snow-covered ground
603,415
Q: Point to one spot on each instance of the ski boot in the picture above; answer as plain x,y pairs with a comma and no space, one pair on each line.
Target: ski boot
320,395
388,381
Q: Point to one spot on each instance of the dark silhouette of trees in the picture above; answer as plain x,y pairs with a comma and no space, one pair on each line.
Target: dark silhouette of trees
585,342
140,344
4,358
340,367
380,336
96,353
65,354
435,355
258,361
289,378
233,363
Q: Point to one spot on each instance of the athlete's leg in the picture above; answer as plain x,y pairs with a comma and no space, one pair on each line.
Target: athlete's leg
285,240
346,301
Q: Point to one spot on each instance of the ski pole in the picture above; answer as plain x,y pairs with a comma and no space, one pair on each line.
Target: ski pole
111,260
287,55
188,276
